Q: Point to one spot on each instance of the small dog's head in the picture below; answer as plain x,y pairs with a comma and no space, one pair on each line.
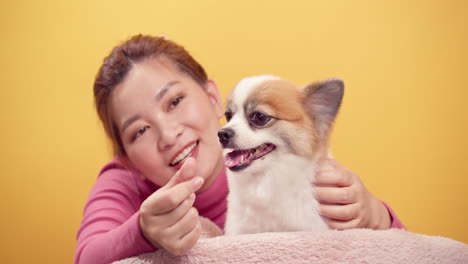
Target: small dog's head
268,116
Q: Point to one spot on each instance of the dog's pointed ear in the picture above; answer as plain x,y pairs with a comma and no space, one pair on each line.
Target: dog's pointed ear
322,101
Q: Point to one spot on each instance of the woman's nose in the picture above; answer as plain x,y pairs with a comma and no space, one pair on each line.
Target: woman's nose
169,134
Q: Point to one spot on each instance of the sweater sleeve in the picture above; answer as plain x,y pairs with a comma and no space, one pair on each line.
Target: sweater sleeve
396,223
110,228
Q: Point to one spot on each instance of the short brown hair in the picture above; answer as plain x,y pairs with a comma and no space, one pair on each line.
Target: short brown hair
121,60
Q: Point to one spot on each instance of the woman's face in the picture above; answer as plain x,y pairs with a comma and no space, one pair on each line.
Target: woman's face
163,117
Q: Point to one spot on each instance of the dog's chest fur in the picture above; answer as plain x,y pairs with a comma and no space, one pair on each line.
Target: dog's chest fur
276,200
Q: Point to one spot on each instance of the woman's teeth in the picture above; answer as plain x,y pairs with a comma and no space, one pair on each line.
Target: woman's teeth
184,154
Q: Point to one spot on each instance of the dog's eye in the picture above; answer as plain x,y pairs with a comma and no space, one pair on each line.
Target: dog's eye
228,115
259,119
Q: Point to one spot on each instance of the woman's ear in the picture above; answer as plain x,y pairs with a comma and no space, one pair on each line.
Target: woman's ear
213,93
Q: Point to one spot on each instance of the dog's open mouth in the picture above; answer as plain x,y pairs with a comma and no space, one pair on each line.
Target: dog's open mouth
241,158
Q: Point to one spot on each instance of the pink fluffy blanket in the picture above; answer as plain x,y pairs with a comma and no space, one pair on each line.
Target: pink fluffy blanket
351,246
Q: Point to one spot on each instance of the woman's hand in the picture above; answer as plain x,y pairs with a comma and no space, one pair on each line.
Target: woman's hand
345,202
167,218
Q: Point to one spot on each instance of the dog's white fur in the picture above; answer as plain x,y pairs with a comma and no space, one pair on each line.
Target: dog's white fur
263,204
275,192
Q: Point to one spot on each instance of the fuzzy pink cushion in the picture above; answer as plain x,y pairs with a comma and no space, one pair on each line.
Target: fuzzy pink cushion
350,246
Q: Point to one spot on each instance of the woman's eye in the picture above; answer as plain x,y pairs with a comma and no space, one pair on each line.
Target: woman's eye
140,132
175,102
259,119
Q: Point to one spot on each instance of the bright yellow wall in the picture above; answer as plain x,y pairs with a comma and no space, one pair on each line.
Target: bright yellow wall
402,127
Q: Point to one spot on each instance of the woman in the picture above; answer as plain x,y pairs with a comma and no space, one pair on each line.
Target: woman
161,112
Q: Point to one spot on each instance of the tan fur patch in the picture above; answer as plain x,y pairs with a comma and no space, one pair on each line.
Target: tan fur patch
284,100
281,96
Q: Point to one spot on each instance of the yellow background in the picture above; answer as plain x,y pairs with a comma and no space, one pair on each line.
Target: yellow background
402,127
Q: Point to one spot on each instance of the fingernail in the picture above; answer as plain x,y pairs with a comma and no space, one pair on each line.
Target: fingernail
197,182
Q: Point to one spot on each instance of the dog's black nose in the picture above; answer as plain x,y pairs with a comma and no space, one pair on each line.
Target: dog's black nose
225,135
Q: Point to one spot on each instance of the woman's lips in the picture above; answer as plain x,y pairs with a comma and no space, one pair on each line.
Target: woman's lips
190,151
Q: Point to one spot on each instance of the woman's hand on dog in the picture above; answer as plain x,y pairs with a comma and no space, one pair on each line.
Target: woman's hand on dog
167,218
345,202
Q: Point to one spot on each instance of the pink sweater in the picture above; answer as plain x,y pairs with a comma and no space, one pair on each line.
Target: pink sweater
110,228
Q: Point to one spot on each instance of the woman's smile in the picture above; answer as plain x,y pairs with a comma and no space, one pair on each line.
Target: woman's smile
187,151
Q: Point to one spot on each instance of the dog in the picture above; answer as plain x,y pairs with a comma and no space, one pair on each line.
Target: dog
275,138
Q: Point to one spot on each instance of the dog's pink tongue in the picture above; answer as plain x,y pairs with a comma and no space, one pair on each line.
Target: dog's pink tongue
236,158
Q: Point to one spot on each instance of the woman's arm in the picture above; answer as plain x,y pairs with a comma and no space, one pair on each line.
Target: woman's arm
396,223
110,228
